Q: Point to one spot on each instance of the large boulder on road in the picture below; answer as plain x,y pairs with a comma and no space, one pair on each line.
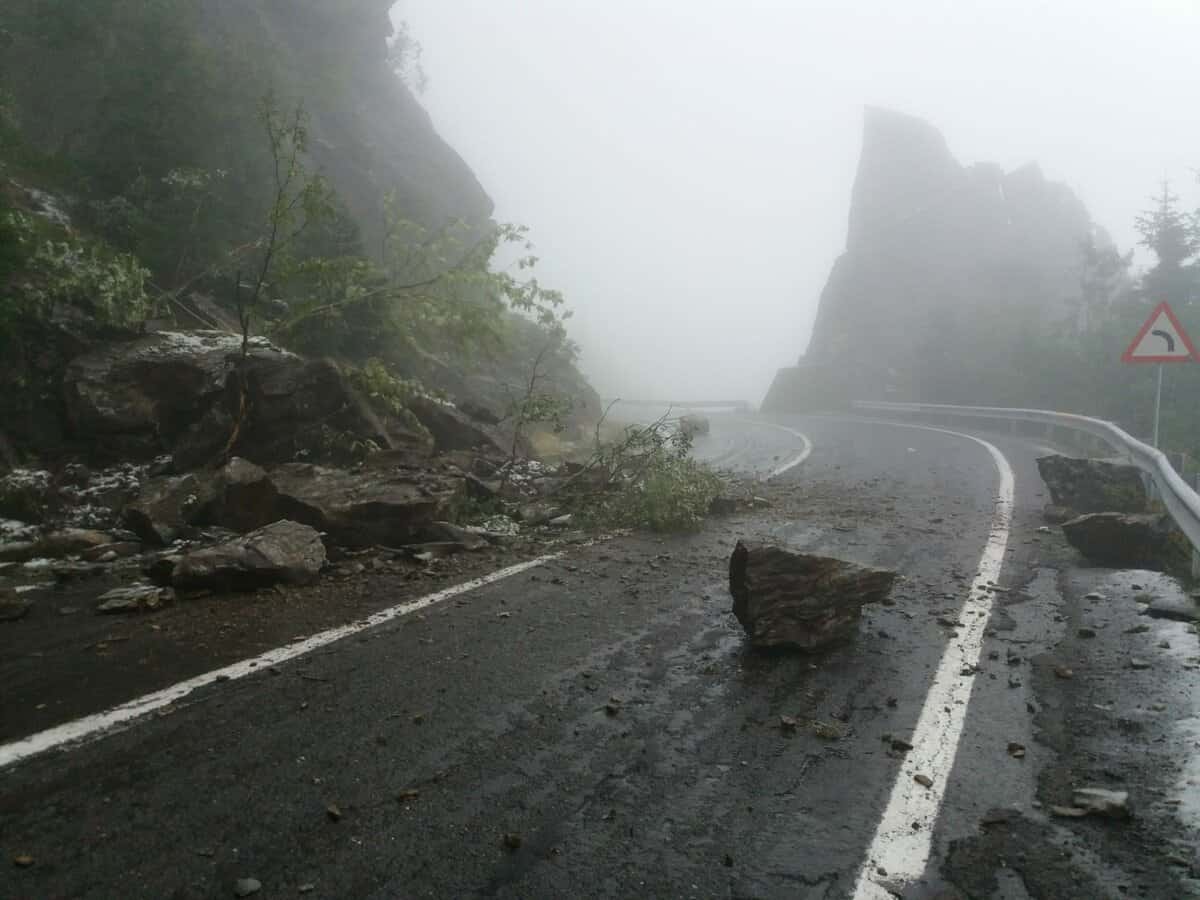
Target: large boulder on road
284,552
1093,485
1126,540
797,600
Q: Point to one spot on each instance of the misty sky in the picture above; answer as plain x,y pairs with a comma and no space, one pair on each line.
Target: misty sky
686,165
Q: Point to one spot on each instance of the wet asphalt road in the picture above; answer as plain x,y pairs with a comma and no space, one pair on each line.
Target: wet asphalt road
596,728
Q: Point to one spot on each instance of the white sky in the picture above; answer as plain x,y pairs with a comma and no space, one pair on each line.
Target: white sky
686,165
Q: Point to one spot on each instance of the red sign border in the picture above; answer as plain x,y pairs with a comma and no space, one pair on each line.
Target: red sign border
1128,357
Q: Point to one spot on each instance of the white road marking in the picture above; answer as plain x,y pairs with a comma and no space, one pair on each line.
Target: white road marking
96,726
804,454
899,849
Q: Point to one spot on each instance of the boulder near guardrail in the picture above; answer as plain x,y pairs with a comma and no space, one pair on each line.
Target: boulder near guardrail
1181,502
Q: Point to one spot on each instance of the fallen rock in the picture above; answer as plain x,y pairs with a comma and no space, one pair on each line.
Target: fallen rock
786,599
1102,802
167,506
18,551
1127,540
245,887
12,605
134,598
1093,485
1056,515
287,552
722,506
69,542
1179,607
452,429
109,552
243,498
25,495
365,509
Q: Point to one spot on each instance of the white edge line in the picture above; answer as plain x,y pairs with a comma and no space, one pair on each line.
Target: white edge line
99,725
804,454
898,848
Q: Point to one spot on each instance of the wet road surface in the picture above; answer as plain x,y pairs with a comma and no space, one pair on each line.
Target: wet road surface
594,727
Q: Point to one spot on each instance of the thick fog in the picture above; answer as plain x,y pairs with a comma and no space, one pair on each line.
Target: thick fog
686,165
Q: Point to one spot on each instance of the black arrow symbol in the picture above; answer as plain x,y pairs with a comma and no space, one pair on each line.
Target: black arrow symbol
1166,336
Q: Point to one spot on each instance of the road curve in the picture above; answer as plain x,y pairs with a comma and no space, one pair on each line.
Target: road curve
594,726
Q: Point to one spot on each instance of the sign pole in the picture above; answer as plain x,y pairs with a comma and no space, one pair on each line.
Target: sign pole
1157,405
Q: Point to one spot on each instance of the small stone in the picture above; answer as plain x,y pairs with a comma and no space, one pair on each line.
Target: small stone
924,780
334,812
727,861
1015,750
1063,672
1086,632
900,745
408,794
1068,812
23,861
1093,595
1137,629
1102,802
512,841
246,886
307,888
12,606
788,723
1138,664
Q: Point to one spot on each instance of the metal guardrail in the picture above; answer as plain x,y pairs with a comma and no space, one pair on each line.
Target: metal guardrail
1180,500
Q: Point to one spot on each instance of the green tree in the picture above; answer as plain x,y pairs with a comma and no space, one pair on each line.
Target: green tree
1170,234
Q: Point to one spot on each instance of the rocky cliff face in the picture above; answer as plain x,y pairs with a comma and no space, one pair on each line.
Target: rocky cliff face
942,262
370,134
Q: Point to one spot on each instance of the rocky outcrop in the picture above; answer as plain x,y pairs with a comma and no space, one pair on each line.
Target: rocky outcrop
282,553
191,395
800,601
1126,540
943,263
1093,485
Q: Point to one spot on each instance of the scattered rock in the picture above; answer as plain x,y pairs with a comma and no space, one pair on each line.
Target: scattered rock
1138,664
134,598
900,745
785,599
1093,485
1015,750
22,860
1086,633
244,887
12,605
511,841
334,812
285,552
1127,540
788,723
1063,672
924,780
69,542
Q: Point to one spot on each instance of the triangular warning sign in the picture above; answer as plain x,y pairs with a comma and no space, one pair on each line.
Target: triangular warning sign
1162,339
